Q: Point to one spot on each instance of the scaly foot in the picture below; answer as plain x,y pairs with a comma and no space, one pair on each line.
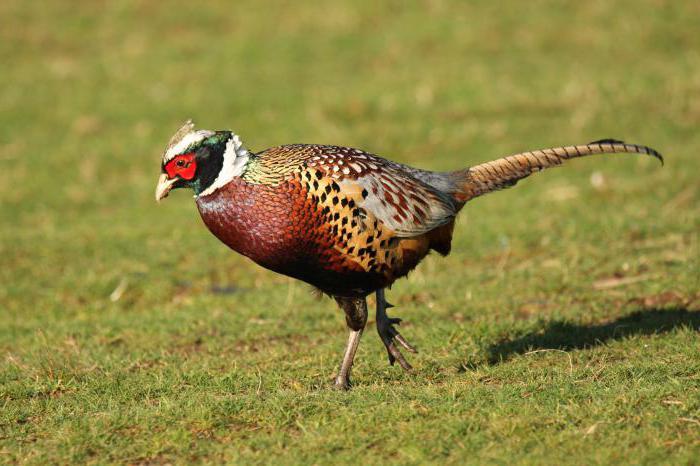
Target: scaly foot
389,335
342,382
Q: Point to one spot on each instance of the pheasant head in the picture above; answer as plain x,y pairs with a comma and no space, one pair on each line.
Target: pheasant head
201,160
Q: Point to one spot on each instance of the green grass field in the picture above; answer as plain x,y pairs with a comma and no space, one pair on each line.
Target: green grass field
562,329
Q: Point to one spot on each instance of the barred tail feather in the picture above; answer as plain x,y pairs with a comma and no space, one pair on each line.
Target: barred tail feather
505,172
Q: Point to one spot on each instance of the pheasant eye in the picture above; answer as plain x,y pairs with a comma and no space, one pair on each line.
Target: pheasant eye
183,165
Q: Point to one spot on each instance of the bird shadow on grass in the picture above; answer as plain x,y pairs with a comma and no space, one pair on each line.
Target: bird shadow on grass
567,336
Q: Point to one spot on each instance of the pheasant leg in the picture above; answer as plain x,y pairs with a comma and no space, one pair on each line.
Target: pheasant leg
389,335
356,319
342,380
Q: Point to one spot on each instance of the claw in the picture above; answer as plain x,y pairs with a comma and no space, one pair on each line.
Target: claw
402,341
395,355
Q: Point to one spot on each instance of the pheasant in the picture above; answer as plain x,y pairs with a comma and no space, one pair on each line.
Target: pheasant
348,222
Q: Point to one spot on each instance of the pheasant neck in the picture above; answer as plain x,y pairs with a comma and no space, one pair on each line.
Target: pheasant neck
234,162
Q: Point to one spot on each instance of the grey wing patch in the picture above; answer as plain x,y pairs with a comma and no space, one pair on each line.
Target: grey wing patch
403,203
438,180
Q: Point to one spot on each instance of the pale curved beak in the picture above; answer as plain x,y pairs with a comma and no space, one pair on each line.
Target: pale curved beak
164,186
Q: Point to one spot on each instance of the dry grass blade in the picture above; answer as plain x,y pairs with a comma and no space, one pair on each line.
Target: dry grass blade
552,350
608,283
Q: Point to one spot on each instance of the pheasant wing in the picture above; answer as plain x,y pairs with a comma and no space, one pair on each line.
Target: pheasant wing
403,203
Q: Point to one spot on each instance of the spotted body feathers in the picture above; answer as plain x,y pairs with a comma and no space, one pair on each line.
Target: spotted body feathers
346,221
350,222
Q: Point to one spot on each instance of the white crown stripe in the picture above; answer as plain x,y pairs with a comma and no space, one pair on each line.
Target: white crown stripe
187,141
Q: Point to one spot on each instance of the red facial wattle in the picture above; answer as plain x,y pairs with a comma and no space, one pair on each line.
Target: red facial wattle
183,166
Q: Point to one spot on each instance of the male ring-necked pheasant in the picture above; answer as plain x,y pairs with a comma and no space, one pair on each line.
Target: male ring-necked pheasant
347,222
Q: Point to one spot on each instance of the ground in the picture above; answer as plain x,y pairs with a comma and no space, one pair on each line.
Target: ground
562,329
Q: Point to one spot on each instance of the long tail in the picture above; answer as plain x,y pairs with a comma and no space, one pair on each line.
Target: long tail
505,172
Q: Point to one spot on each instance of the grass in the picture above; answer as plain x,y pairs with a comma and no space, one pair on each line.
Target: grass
562,329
